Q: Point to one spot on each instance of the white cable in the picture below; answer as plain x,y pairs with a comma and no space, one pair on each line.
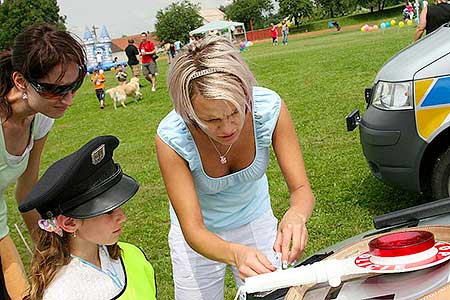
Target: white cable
23,239
238,293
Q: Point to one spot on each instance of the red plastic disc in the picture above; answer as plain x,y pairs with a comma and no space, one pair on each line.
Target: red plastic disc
401,243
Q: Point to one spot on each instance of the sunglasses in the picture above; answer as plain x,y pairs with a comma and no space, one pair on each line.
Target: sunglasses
54,91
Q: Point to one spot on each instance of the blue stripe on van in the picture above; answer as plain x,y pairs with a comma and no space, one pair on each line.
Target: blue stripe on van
439,94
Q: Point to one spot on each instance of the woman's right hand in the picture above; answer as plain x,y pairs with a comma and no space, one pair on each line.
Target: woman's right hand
250,262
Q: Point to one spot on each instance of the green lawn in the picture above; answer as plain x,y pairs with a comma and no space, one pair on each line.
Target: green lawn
388,14
321,78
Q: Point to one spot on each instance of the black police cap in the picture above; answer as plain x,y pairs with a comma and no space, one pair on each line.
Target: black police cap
83,185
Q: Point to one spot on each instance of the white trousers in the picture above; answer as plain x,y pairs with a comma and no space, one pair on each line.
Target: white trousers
198,278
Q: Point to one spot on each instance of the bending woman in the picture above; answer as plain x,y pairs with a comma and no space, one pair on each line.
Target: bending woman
213,152
38,79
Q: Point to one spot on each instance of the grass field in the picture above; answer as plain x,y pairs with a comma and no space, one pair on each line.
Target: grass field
388,14
321,78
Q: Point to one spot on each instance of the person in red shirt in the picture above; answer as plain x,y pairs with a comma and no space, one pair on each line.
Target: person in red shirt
274,34
146,51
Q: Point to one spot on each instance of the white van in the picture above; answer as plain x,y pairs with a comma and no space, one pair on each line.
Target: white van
405,132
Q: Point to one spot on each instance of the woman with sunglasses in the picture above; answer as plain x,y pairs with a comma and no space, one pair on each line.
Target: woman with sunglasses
38,79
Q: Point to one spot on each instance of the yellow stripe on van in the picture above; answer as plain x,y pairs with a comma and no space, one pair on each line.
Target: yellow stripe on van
421,87
428,120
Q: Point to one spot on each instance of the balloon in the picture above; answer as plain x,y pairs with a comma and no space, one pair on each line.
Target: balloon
232,28
393,22
375,27
225,30
387,24
401,24
382,26
363,29
113,69
410,22
242,45
367,28
250,43
247,44
279,25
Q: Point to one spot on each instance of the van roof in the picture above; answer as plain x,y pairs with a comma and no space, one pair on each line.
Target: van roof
405,64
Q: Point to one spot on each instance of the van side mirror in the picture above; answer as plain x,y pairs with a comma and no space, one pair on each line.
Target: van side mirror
352,120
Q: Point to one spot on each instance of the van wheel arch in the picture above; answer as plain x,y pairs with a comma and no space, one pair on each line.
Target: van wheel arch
440,176
432,153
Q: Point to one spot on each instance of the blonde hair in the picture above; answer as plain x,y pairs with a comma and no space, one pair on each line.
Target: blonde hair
211,68
52,252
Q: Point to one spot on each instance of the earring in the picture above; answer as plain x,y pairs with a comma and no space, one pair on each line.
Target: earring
24,96
74,234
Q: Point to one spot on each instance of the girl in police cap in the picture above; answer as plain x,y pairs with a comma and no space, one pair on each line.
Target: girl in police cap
77,252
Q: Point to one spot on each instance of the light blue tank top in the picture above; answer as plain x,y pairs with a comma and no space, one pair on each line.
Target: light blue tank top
238,198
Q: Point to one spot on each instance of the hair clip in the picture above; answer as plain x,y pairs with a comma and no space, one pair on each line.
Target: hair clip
50,225
207,72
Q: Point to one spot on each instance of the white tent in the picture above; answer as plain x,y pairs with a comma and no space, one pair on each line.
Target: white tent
228,28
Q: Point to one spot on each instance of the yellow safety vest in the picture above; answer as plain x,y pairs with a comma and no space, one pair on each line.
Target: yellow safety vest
140,278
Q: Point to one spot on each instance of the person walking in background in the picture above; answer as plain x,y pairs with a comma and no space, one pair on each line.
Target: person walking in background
132,53
98,79
336,25
274,34
410,10
285,31
149,67
213,150
172,50
167,50
178,46
99,59
39,76
121,75
432,17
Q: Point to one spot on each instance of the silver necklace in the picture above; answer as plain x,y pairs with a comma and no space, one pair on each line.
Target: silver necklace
222,157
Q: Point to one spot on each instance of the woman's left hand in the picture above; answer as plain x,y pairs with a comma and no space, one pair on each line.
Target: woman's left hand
292,236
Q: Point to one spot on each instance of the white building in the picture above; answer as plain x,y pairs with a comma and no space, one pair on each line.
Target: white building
212,14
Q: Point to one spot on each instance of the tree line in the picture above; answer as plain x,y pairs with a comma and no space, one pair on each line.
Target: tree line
16,15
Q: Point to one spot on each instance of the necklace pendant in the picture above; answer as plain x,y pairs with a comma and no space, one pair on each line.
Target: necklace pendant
223,160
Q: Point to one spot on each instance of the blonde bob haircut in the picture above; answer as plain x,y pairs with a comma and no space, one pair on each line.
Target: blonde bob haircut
213,69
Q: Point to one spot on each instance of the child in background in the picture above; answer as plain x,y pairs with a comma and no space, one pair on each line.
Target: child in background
99,85
77,251
274,34
285,31
121,75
